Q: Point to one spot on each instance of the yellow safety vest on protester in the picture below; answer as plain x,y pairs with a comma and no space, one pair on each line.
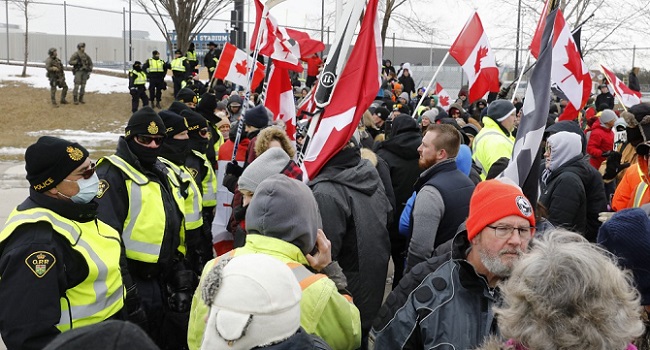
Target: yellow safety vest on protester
193,201
101,294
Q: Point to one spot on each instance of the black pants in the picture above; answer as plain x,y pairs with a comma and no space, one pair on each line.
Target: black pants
155,89
177,79
136,96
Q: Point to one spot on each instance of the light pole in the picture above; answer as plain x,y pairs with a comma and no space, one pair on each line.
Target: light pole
517,45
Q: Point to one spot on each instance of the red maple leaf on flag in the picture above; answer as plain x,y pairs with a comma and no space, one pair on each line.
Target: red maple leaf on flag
574,64
241,67
444,101
482,53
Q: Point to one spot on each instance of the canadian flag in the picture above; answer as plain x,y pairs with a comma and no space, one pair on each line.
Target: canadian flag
279,99
307,106
536,43
356,89
284,46
627,96
234,66
569,72
444,100
472,51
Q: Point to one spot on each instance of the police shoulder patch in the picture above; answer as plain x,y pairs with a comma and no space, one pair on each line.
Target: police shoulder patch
193,172
103,186
40,262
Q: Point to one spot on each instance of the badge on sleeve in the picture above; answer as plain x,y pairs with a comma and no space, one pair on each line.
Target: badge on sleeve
103,186
40,262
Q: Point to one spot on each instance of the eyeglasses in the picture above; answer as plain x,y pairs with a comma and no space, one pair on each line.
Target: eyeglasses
203,132
89,172
503,232
146,139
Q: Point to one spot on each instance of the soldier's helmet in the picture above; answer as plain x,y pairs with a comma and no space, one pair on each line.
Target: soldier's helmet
80,45
51,51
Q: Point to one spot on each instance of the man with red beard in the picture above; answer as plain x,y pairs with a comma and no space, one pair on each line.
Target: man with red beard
446,302
443,194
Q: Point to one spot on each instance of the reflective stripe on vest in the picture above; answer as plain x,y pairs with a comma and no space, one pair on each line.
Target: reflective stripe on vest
140,77
101,294
193,203
209,182
641,188
156,66
305,277
144,227
177,64
191,56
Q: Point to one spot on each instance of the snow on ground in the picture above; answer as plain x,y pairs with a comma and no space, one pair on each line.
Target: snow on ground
97,83
86,138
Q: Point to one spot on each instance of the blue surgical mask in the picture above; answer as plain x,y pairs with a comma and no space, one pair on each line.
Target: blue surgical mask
88,189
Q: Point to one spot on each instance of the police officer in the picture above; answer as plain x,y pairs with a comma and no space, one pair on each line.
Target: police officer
180,70
211,58
82,65
137,82
139,198
191,59
156,70
59,265
56,75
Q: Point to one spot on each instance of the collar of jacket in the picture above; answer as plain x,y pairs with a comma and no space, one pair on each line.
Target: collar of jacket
274,247
490,123
67,209
448,164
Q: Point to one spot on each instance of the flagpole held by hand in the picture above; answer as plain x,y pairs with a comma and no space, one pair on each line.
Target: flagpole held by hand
426,91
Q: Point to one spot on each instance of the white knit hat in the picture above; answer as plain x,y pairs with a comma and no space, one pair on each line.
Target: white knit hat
254,301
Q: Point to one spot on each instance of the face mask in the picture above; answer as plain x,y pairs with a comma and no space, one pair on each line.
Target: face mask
137,68
175,150
199,144
146,156
87,190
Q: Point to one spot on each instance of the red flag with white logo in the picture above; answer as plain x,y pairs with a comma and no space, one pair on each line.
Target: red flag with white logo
569,72
356,89
279,99
627,96
284,46
472,51
234,66
444,100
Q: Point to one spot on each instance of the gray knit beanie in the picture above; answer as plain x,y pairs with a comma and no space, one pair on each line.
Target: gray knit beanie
268,163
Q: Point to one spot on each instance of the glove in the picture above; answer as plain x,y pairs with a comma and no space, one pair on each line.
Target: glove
604,216
606,154
180,289
133,91
613,166
134,308
234,169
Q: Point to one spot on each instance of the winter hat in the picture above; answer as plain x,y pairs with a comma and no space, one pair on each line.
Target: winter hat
221,105
464,159
607,116
177,107
295,221
499,110
186,95
234,100
404,95
403,123
470,129
178,51
144,122
107,335
638,124
207,104
195,121
257,116
254,301
431,115
627,235
462,93
174,123
382,113
565,146
222,122
493,200
50,160
271,162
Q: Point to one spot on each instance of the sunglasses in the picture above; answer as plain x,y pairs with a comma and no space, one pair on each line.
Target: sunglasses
146,139
89,172
203,132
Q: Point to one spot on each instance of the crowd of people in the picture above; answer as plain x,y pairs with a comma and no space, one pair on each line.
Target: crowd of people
200,233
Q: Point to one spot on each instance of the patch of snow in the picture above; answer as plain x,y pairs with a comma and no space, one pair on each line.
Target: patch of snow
85,138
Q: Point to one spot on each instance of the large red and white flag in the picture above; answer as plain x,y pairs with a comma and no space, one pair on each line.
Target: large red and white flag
444,100
569,72
472,51
627,96
279,99
356,89
535,44
234,66
284,46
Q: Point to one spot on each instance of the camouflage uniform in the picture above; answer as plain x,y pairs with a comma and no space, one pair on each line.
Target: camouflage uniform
82,65
56,76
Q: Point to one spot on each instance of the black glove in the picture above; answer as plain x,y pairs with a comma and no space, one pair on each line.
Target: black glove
134,308
133,91
608,153
613,165
180,288
234,169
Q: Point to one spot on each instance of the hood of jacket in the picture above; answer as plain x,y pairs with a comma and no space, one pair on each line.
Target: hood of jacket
570,126
404,145
362,177
564,146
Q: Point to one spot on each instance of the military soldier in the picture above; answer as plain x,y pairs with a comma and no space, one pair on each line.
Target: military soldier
156,70
56,75
59,264
180,70
82,65
137,81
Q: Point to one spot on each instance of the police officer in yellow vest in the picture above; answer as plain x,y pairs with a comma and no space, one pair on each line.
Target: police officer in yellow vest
211,58
59,265
137,82
156,70
180,70
191,59
207,107
139,197
204,175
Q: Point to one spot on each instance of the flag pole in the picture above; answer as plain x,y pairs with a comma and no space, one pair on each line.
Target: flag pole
521,75
426,91
618,97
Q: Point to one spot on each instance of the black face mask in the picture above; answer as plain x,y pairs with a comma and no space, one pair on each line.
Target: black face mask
146,156
240,212
175,150
199,144
138,68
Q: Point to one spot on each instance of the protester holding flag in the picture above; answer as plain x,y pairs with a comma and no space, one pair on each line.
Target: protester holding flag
601,140
495,139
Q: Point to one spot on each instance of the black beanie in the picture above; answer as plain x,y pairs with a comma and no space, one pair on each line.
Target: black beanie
110,334
144,122
207,104
50,160
382,112
174,123
195,121
403,123
178,107
257,116
186,95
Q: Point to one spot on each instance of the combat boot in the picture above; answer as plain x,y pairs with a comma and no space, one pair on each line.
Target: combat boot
81,99
76,100
157,105
64,102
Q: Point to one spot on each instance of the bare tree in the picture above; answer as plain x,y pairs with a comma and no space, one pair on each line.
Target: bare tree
407,17
187,16
23,6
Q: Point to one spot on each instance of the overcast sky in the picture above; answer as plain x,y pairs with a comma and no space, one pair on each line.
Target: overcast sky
447,16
